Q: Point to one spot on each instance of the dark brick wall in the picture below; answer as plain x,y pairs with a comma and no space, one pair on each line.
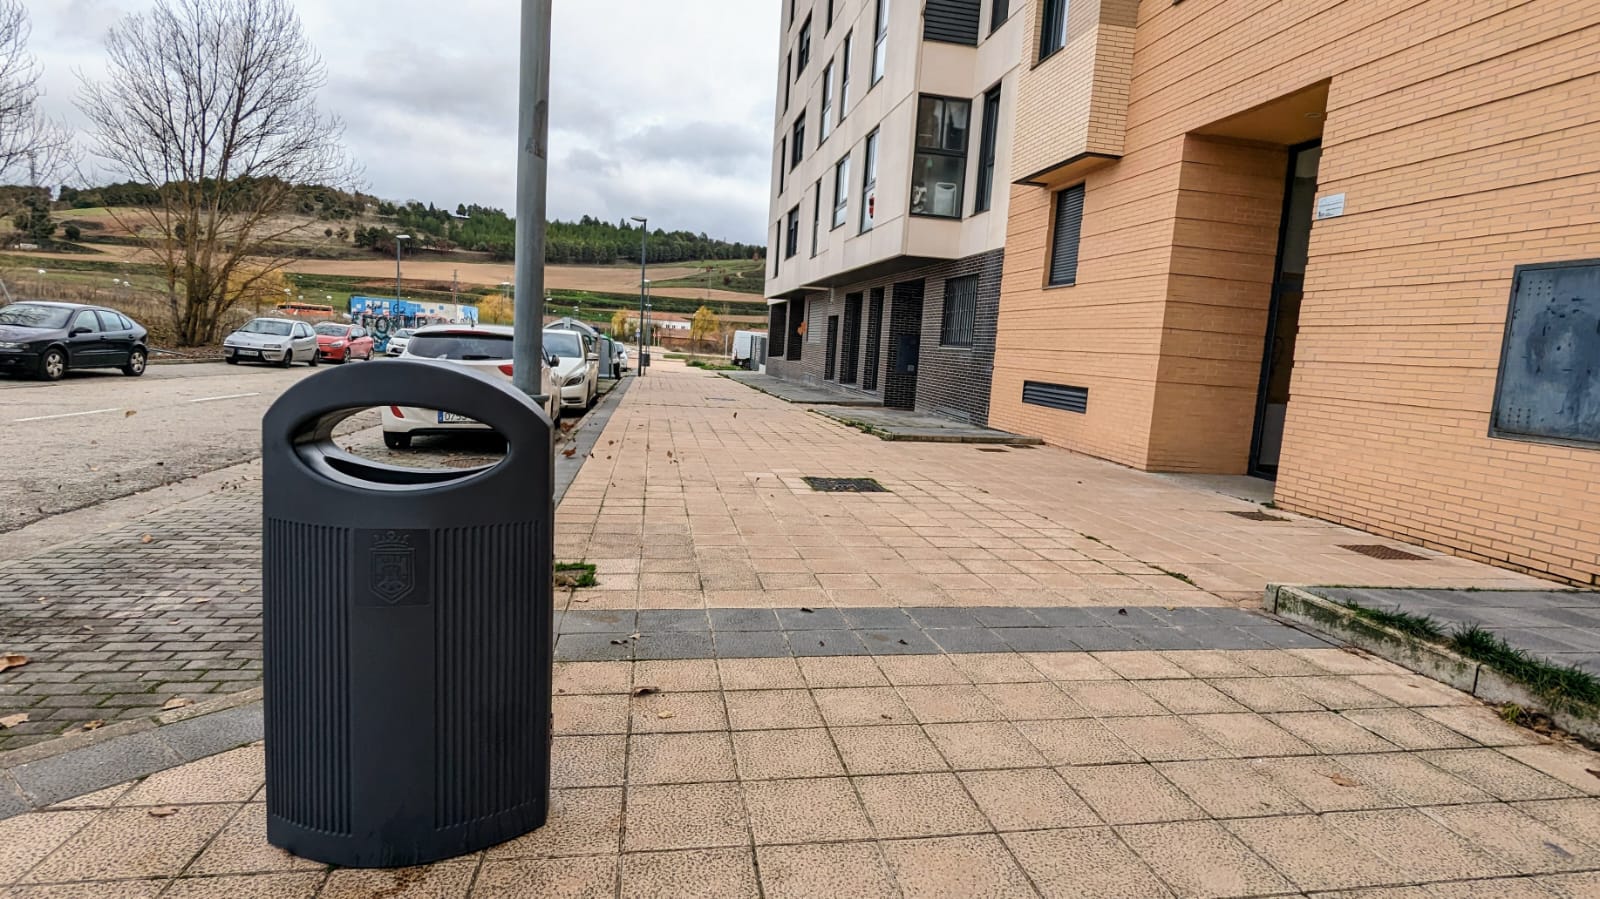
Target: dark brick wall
950,380
906,310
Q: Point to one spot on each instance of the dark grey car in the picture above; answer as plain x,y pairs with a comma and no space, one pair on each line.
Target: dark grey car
47,340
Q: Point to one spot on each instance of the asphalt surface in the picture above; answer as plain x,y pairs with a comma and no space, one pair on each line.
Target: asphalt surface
96,436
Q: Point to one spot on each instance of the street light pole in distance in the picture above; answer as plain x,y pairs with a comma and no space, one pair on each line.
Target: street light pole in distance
397,239
644,282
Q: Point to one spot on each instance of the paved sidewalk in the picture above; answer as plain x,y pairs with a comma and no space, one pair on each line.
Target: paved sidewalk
1027,739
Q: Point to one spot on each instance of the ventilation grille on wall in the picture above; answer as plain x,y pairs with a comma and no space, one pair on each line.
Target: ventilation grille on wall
1056,396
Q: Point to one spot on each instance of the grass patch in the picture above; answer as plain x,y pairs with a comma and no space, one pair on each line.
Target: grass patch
710,365
678,356
1423,627
1175,574
575,574
1563,687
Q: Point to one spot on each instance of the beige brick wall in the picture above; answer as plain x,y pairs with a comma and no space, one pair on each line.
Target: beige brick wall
1465,135
1076,101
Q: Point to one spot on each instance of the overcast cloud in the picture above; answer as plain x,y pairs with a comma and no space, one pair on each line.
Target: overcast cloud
658,107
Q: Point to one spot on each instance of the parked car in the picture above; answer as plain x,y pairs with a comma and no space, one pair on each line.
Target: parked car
49,339
340,343
486,348
282,341
622,357
577,369
398,341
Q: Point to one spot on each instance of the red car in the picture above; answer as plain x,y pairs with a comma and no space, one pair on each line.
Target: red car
341,343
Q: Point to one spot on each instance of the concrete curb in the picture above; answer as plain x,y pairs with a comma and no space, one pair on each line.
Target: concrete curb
1428,659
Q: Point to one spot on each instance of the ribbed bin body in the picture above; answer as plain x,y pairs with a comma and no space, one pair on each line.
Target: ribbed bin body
407,627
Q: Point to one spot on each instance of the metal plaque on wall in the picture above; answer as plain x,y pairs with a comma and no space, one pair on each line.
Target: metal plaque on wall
1549,386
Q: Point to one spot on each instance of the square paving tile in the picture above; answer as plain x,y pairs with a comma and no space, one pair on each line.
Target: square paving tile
1266,694
1330,732
1130,794
242,848
857,671
26,839
588,761
862,706
812,619
678,712
778,754
1060,666
919,805
1248,735
593,677
1482,725
950,702
805,811
1410,779
696,816
713,874
896,749
843,870
1142,665
1499,776
771,709
1078,741
985,744
1200,858
680,758
1027,799
923,670
1339,693
968,640
129,842
1528,845
677,675
743,620
1230,788
1164,738
1033,701
752,645
760,674
581,822
955,866
669,645
1086,863
1314,855
1111,698
301,885
995,667
1322,784
1576,818
1419,846
591,714
1567,764
1407,729
594,877
1189,697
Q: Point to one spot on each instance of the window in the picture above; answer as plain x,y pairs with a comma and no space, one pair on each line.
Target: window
960,308
1052,28
880,45
805,47
844,77
791,242
86,322
826,125
830,18
986,149
797,146
792,5
1549,376
869,184
939,171
109,321
788,78
783,159
816,218
777,236
999,13
1068,229
841,191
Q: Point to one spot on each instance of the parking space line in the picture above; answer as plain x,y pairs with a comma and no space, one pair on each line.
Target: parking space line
66,415
231,396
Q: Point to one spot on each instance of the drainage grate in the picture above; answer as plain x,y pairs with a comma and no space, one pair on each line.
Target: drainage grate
992,449
1387,553
845,485
1259,516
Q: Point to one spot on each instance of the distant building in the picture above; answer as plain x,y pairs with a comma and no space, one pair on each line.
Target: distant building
889,197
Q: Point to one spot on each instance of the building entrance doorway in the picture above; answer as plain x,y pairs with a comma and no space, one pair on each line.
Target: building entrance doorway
1283,317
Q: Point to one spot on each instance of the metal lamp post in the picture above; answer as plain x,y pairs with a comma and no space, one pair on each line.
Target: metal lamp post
397,239
644,282
533,164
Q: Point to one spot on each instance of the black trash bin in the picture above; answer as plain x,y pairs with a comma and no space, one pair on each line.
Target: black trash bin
407,626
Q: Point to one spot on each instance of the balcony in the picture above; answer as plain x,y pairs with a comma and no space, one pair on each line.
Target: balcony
1072,105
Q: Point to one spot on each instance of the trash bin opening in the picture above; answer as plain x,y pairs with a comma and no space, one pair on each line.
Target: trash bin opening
346,458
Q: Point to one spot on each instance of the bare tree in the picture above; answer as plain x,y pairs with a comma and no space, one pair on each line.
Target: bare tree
214,102
29,142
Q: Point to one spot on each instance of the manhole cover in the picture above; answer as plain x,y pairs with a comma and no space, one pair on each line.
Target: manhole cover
1387,553
845,485
1259,516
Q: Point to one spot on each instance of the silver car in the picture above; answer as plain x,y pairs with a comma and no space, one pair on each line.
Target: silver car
279,341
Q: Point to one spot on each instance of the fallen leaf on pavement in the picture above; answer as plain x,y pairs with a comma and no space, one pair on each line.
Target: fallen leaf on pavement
1122,611
669,454
165,811
645,691
96,724
571,452
13,659
201,599
147,539
130,413
177,703
619,642
1343,781
11,721
808,611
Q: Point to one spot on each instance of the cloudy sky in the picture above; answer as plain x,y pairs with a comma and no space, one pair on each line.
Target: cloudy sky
658,107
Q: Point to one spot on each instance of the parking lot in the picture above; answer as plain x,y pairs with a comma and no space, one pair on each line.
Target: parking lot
97,436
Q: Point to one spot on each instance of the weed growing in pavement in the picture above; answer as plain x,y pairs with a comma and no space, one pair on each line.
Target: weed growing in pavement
1175,574
1421,626
1564,687
575,574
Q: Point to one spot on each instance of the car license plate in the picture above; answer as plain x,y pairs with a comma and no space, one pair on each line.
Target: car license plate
449,418
249,352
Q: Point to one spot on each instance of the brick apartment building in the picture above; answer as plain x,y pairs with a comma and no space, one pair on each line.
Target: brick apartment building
890,194
1337,243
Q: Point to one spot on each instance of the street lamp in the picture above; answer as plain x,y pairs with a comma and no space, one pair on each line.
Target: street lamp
644,281
397,239
39,286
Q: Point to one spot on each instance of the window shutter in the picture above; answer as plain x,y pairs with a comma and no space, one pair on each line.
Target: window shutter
1069,227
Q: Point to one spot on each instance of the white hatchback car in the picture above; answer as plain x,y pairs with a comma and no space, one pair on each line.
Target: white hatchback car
486,348
577,367
281,341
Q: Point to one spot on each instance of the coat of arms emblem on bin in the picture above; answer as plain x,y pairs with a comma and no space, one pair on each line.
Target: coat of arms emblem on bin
394,569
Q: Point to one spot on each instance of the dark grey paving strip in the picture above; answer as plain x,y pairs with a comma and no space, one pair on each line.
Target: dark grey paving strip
780,633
